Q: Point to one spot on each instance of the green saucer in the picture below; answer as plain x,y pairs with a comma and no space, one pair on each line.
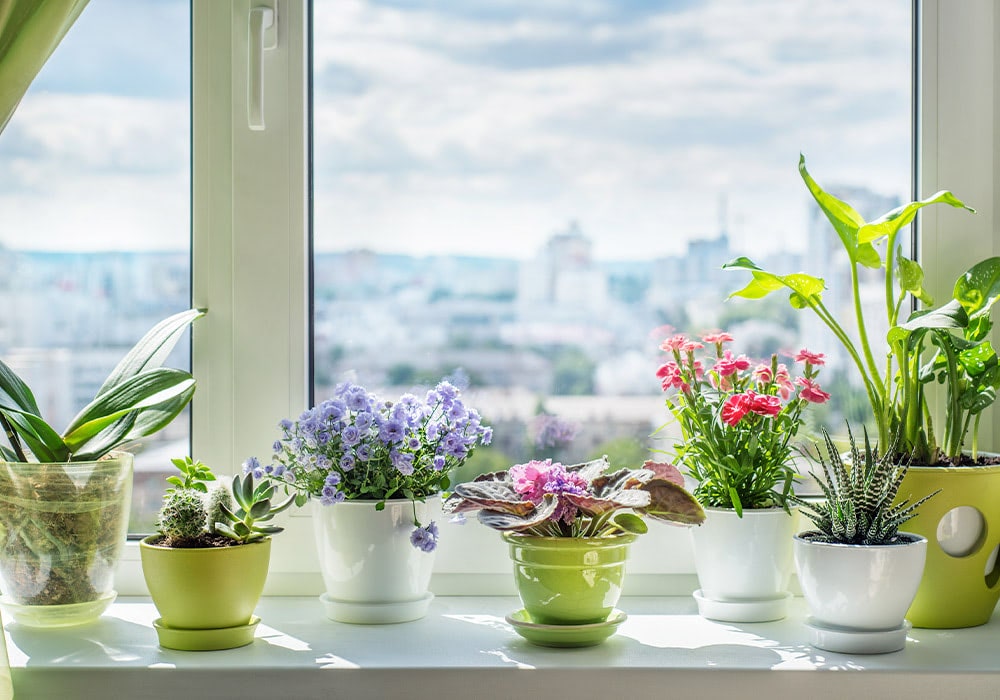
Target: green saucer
205,640
565,635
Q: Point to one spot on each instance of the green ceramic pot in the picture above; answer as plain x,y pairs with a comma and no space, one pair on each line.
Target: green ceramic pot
569,580
957,589
210,588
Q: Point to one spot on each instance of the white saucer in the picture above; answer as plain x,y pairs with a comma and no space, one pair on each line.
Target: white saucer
375,613
848,641
752,610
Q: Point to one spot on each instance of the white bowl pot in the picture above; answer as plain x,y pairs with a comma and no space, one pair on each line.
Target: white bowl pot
372,572
748,558
861,587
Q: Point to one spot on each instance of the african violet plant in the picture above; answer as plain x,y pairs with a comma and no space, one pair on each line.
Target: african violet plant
858,499
948,344
193,515
548,499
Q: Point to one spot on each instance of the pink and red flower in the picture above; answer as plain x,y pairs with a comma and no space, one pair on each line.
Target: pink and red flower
810,357
673,343
717,338
811,391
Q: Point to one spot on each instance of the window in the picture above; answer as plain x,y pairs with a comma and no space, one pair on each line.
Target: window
527,197
96,210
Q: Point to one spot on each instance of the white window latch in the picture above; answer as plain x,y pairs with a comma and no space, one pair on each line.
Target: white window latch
263,36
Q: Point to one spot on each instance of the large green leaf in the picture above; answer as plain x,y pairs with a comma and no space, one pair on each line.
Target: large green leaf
899,217
151,388
845,220
951,316
14,393
764,282
979,288
911,279
152,349
41,439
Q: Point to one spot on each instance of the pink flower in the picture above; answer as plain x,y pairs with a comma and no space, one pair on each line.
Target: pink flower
765,404
811,391
810,358
726,365
530,479
762,374
674,343
784,382
717,338
735,407
670,376
691,346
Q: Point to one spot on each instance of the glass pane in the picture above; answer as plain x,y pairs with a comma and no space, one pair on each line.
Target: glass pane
95,237
526,195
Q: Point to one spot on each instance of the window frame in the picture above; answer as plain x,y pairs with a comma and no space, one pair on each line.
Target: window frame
251,206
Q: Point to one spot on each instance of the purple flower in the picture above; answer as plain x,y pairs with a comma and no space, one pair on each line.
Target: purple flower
351,436
363,453
438,463
252,466
486,435
363,421
347,462
403,461
413,442
457,411
425,538
331,496
434,431
357,399
391,432
332,479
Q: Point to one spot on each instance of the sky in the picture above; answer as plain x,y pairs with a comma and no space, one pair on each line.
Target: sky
482,127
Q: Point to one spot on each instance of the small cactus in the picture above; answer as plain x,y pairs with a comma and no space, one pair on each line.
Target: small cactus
219,500
182,516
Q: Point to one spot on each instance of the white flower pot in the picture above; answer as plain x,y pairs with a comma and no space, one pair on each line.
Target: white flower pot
863,587
743,564
372,573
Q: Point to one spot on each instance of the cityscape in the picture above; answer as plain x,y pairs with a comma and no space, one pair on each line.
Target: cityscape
561,345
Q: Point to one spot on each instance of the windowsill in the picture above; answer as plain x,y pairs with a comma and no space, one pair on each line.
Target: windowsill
463,648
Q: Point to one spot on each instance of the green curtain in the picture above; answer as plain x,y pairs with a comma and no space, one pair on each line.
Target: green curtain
30,30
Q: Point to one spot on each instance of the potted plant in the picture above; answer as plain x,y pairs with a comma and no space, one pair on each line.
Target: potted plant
568,529
206,567
377,468
947,345
737,420
65,498
857,571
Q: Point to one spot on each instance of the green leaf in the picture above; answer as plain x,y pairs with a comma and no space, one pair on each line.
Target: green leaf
630,522
979,287
763,282
911,279
891,222
14,393
260,509
142,391
152,349
974,401
951,316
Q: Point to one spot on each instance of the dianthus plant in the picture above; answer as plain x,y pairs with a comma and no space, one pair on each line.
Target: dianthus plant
355,446
737,419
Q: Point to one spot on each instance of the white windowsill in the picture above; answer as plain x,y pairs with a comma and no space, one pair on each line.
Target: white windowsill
463,648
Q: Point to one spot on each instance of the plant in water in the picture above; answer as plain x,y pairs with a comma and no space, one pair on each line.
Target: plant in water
858,499
949,344
194,516
64,498
548,499
737,419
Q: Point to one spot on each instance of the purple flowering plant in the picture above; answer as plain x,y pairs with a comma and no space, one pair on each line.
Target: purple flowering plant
355,446
547,499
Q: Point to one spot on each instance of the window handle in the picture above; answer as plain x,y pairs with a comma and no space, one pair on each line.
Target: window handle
262,37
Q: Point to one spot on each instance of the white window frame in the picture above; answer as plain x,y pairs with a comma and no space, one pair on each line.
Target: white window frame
251,256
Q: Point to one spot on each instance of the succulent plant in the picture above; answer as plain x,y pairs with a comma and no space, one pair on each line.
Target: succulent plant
195,475
217,502
253,507
182,516
858,506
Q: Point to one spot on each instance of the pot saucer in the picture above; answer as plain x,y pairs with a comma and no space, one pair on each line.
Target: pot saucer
751,610
565,635
849,641
205,640
57,615
375,613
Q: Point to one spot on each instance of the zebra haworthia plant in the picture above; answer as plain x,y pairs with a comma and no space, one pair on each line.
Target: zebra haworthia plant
858,499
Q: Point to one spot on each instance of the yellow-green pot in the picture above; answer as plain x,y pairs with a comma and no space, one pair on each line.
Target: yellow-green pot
956,590
208,588
569,580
